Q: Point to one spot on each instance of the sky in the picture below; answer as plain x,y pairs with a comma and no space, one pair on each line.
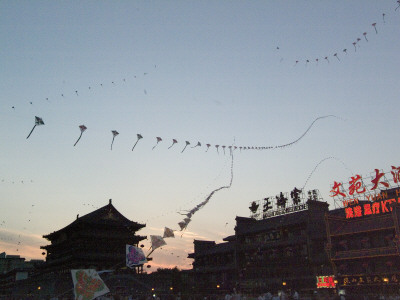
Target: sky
232,73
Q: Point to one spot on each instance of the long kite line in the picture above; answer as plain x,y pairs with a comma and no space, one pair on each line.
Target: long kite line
199,145
325,159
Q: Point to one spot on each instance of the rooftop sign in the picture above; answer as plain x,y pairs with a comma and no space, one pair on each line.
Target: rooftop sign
280,204
377,192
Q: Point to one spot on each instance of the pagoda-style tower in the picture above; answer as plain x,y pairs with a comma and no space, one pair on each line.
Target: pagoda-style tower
96,240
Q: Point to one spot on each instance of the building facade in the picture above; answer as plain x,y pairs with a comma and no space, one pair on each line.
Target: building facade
282,252
364,250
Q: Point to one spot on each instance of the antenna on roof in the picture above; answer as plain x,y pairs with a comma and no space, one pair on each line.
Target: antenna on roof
110,201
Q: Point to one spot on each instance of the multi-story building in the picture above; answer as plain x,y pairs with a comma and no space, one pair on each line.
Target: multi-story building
283,251
214,266
364,246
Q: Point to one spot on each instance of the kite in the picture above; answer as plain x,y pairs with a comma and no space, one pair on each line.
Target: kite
87,284
115,133
326,57
374,25
187,143
216,146
139,136
345,51
82,128
168,233
174,141
183,224
398,2
38,121
197,145
365,36
134,256
158,140
355,48
335,55
208,147
156,242
383,15
223,147
76,92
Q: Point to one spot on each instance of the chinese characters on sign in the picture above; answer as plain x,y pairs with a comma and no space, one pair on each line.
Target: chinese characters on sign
375,200
326,282
369,279
281,204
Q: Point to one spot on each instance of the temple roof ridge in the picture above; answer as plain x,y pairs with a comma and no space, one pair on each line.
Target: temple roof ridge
104,215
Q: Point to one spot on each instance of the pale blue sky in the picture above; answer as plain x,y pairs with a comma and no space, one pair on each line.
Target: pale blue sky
206,71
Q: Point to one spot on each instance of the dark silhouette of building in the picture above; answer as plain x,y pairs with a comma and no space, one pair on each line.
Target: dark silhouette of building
277,253
364,250
214,268
94,241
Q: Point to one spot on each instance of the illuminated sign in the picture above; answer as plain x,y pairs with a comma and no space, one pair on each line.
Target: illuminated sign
366,188
356,210
369,279
274,206
326,282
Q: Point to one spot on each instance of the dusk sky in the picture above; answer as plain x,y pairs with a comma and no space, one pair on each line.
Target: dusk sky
214,72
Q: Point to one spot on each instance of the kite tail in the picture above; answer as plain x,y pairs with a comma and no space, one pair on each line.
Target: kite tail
112,142
78,139
135,144
31,132
184,148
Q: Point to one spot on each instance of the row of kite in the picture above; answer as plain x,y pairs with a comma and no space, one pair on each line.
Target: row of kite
356,43
39,121
90,88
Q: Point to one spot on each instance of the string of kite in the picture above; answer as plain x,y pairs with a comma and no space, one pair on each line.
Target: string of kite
336,54
355,43
189,214
39,121
158,241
